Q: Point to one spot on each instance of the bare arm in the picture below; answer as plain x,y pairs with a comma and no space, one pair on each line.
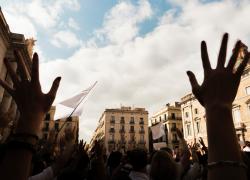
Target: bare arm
32,105
217,94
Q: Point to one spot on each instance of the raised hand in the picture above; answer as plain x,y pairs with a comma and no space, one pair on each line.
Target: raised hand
220,85
27,93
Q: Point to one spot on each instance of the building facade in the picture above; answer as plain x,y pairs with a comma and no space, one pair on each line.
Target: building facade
194,118
9,42
49,124
170,116
122,129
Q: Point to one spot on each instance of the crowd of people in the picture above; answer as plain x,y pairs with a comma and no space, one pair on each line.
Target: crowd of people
24,156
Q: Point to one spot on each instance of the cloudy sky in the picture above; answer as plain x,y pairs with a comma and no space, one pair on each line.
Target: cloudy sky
137,50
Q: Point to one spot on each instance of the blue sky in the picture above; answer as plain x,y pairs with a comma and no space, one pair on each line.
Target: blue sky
138,51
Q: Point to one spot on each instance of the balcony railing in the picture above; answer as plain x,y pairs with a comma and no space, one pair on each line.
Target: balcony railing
132,141
142,142
132,122
111,130
122,130
112,121
123,141
111,141
141,122
173,129
175,141
131,131
142,131
122,121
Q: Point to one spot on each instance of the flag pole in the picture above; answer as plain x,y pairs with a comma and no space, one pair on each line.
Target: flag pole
67,119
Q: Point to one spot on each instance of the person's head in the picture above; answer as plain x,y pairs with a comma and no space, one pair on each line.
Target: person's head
163,166
114,159
168,150
138,159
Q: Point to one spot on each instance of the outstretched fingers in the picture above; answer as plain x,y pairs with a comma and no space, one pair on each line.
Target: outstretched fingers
234,56
35,69
205,58
52,93
223,52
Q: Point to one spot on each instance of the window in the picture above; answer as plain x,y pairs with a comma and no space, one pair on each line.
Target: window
132,129
173,115
132,120
236,115
141,121
165,117
112,137
174,125
122,120
47,117
160,118
198,126
112,119
141,137
196,111
248,90
174,137
56,126
188,130
186,114
46,126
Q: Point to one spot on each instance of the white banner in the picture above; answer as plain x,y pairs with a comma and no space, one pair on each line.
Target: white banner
158,131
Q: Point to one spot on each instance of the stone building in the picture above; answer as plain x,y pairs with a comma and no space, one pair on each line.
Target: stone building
193,119
193,114
122,129
170,116
50,124
9,42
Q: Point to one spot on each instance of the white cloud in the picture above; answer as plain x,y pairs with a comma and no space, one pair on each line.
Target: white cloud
121,23
144,71
73,24
65,38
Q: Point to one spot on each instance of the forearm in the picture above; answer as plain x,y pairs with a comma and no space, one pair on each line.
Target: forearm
222,143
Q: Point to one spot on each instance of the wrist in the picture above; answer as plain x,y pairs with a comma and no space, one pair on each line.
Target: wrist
29,124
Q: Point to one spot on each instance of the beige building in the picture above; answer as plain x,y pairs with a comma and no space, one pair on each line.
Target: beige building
193,114
170,116
8,42
193,119
122,129
50,124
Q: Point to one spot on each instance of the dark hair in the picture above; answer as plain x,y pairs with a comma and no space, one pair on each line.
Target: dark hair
138,159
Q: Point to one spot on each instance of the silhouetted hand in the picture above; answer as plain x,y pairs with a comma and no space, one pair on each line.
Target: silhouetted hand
220,85
27,93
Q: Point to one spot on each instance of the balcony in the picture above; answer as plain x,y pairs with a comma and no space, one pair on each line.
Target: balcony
111,141
142,131
141,122
122,141
132,122
112,121
142,142
175,141
131,131
122,130
122,121
132,141
111,130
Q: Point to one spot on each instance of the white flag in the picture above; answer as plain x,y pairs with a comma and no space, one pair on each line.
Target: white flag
158,131
65,108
